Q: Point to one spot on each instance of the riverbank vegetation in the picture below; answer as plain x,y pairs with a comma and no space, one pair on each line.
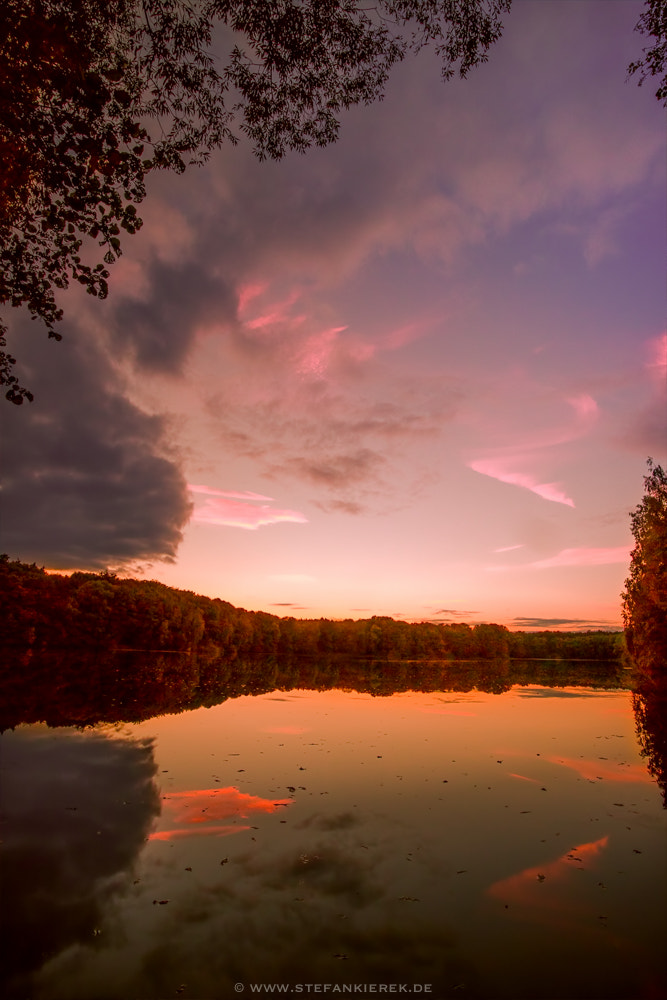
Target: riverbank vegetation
45,611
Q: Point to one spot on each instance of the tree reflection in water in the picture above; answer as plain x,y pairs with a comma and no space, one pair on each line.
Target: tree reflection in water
62,688
77,689
649,702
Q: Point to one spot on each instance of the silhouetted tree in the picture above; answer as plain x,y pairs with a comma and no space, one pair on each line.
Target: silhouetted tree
653,23
645,595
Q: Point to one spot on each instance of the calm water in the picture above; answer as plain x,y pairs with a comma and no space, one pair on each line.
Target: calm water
448,843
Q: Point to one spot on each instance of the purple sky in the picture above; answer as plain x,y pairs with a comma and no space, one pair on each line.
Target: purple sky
415,373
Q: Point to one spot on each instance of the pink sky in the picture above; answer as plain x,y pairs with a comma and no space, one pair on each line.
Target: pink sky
421,369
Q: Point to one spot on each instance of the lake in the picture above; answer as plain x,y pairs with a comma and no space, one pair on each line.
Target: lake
459,843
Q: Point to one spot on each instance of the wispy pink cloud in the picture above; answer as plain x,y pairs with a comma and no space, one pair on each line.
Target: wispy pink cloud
573,557
585,557
240,510
402,335
209,491
277,312
512,463
657,349
497,468
585,407
249,292
313,358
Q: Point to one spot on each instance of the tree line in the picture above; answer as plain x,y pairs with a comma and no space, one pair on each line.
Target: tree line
47,611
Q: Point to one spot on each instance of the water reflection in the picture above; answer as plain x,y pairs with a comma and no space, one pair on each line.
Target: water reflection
76,812
493,846
76,689
196,811
649,702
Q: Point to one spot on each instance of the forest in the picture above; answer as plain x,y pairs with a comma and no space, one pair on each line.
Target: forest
98,611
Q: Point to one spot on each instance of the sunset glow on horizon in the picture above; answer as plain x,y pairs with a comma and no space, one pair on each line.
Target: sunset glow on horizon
417,373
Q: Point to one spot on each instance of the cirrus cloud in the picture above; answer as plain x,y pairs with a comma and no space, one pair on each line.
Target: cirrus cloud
496,468
584,556
239,510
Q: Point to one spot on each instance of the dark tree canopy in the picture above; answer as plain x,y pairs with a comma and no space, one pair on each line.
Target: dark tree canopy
653,23
96,94
645,595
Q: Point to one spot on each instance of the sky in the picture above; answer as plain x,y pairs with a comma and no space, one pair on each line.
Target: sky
417,373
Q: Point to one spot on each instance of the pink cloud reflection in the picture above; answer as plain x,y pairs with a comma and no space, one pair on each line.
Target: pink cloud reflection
544,894
595,770
196,811
209,831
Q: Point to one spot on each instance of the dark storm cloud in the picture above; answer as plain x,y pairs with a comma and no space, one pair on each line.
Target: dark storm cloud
88,478
76,812
158,332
